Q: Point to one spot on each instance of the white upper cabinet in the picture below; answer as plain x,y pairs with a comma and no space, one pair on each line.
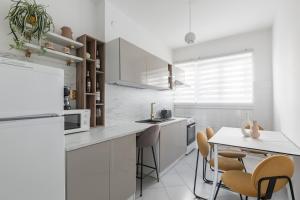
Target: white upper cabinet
132,66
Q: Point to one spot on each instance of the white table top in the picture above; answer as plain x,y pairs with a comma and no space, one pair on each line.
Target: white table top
269,141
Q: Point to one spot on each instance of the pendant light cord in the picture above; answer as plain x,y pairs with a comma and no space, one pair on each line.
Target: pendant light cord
190,15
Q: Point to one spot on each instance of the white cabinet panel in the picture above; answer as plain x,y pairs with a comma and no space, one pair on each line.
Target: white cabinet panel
172,143
157,72
32,159
133,63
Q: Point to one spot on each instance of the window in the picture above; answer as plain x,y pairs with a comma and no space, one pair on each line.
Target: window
220,80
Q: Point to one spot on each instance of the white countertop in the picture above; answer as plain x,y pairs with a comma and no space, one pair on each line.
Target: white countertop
102,134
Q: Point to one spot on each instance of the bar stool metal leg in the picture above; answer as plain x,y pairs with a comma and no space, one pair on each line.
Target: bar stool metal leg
142,163
155,164
138,162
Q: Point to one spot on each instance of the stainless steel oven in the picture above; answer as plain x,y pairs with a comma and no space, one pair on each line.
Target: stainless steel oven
191,135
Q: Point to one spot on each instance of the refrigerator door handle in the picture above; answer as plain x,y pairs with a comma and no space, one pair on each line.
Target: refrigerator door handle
29,117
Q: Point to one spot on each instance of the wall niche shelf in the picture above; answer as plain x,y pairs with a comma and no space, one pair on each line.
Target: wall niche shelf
87,100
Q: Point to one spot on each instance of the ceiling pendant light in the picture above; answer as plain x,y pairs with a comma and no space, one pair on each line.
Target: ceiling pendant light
190,37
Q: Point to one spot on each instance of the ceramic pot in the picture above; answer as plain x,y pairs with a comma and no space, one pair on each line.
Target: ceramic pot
66,50
67,32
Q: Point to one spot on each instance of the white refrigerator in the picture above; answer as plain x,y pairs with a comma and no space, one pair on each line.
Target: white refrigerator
32,157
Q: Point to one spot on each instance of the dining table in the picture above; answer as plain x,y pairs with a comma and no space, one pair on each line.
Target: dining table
271,142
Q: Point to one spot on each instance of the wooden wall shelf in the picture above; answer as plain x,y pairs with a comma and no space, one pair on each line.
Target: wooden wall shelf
63,41
53,53
88,100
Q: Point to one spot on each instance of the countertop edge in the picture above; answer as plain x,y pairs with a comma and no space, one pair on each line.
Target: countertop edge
85,139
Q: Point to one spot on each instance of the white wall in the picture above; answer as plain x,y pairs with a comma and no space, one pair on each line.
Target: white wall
80,20
130,104
286,41
118,24
88,17
74,13
261,43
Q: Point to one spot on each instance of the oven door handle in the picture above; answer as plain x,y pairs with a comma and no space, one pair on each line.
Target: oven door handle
191,125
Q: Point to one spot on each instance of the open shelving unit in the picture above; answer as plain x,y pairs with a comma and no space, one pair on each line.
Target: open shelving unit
58,40
52,53
88,100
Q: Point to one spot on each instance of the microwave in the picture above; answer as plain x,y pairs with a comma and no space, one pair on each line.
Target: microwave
77,120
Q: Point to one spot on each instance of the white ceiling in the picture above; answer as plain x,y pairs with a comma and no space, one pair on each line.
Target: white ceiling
211,19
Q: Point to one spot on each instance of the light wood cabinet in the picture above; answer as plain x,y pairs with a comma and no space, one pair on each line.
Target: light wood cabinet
157,72
172,143
122,167
133,63
87,172
132,66
104,171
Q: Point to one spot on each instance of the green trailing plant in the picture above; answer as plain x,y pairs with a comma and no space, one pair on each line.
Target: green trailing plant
28,20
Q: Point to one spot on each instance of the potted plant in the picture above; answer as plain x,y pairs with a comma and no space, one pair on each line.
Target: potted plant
28,20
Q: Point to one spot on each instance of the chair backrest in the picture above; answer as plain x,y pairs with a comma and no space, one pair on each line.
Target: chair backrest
148,137
273,166
203,144
210,133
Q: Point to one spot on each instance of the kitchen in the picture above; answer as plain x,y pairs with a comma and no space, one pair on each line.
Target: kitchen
127,79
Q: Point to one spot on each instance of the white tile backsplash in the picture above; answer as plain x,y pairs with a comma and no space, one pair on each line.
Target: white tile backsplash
131,104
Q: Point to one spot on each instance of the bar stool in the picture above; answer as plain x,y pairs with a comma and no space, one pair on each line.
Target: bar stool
147,138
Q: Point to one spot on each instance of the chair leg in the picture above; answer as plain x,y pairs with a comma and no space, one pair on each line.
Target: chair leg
242,161
138,162
204,170
155,164
195,180
219,185
241,197
142,162
196,171
291,189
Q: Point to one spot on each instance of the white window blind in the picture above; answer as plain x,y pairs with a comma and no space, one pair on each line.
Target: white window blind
220,80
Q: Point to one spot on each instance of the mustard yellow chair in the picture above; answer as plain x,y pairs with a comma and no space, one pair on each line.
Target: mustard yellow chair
270,176
228,153
224,163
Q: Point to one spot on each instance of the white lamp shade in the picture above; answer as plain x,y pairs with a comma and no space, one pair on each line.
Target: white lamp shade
190,38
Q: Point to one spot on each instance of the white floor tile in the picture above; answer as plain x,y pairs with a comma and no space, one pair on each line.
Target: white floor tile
153,194
180,193
171,180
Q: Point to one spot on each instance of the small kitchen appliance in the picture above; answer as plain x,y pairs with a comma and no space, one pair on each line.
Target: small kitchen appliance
77,120
165,114
67,105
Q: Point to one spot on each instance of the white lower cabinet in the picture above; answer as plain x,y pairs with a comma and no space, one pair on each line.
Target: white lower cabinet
103,171
172,144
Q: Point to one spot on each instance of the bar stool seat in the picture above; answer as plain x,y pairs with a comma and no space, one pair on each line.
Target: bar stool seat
146,139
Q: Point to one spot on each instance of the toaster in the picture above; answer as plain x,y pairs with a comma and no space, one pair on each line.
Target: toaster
165,114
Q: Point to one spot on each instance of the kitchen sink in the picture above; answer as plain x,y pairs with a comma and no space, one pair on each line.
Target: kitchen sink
154,121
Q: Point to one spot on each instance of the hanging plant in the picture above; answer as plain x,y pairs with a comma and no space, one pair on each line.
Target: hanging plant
28,20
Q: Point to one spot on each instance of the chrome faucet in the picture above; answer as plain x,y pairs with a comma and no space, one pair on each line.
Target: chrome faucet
152,111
